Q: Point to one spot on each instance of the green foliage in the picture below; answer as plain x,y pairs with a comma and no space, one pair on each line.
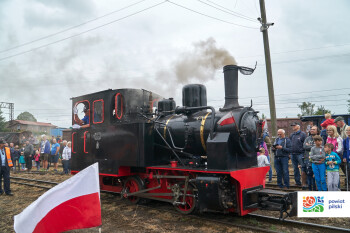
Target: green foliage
2,122
307,109
321,110
26,116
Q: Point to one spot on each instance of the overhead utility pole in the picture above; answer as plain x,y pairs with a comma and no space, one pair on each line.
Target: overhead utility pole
10,106
263,29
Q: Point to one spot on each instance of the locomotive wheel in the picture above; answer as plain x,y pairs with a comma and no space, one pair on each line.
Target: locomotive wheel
131,185
191,201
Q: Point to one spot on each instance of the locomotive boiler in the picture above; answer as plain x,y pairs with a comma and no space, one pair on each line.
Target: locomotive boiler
194,156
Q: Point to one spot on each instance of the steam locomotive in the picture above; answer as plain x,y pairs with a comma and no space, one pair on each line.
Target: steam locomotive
194,157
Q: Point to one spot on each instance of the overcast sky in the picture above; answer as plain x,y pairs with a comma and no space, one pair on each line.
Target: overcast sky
53,50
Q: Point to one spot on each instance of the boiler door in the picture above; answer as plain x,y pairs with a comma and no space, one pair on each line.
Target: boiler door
248,131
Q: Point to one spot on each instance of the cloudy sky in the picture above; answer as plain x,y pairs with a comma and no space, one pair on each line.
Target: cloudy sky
53,50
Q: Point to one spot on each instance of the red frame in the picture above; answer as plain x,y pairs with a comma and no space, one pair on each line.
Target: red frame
85,142
73,142
116,106
81,101
103,111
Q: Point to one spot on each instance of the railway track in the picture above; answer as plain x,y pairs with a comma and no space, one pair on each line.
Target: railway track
258,223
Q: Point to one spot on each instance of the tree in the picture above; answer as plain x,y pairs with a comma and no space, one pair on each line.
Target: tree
2,122
307,109
26,116
321,110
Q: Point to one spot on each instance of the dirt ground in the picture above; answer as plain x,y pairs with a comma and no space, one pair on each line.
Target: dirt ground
120,216
117,215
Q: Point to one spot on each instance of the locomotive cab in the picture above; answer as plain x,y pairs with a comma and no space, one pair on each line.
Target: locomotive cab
118,135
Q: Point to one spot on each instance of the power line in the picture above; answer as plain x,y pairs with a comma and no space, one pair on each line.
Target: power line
70,28
75,35
227,11
210,16
295,93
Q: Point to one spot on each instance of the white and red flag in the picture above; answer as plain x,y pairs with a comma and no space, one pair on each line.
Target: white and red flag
72,204
227,119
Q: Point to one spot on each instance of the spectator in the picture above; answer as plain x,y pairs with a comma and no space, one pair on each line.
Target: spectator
332,162
12,151
37,159
22,141
44,151
282,148
342,126
324,134
5,166
58,139
55,148
66,156
262,158
335,139
63,144
317,158
268,143
308,128
32,139
328,121
346,153
16,155
308,144
28,151
297,153
52,138
22,161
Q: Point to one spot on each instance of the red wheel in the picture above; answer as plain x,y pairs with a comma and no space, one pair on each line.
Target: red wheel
131,185
190,200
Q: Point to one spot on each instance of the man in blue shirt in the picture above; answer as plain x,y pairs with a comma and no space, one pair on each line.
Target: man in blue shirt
85,122
297,139
281,148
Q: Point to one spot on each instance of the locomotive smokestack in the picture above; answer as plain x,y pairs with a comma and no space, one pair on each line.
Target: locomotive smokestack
231,87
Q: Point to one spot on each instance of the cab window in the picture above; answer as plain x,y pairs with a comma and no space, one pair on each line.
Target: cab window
98,115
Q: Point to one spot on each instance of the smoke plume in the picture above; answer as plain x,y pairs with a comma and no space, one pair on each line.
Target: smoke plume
202,62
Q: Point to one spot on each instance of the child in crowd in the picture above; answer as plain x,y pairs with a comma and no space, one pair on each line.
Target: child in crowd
328,121
317,158
22,161
310,177
332,162
37,159
262,158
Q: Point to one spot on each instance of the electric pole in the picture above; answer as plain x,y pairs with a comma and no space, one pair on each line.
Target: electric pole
263,29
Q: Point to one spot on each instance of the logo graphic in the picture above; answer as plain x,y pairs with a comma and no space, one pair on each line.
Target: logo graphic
313,204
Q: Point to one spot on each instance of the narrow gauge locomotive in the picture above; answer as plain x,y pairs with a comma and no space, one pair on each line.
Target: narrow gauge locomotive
192,156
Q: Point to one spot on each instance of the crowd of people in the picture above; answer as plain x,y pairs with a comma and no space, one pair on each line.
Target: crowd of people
44,154
317,154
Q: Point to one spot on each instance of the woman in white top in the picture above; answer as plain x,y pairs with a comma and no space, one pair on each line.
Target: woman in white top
66,155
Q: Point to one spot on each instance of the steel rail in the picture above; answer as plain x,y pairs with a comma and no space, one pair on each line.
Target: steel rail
262,218
293,223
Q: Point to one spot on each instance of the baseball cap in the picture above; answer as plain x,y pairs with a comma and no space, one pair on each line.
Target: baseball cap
339,118
295,123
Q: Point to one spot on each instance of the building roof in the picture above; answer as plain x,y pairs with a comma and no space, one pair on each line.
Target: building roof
15,122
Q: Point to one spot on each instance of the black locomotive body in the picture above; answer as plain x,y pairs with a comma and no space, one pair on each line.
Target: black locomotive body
191,156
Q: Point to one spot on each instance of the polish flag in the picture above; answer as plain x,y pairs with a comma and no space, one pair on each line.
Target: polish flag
227,119
72,204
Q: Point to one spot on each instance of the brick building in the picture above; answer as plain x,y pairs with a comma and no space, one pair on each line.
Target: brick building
39,127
